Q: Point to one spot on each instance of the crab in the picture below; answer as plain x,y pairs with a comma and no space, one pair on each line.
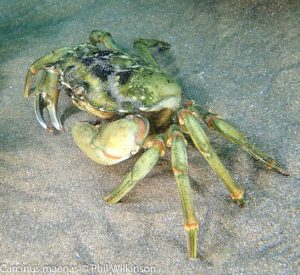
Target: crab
139,107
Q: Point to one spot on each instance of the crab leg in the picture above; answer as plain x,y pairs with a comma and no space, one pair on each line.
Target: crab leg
46,96
235,136
39,65
180,169
187,120
143,45
111,143
141,168
98,36
46,93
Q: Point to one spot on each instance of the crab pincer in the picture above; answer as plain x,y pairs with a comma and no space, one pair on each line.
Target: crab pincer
46,92
111,143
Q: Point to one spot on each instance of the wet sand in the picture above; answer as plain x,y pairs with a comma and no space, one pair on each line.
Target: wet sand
240,60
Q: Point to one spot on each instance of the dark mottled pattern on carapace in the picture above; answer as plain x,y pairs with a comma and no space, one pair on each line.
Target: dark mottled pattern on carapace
101,65
124,76
98,64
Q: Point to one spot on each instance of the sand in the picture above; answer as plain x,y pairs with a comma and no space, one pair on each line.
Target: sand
240,59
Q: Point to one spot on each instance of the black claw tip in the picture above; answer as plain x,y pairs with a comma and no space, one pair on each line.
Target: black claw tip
282,171
240,202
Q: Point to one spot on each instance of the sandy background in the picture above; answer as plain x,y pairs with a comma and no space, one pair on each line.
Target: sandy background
241,59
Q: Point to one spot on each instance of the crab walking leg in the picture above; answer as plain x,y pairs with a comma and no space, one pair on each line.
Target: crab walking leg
141,168
46,96
235,136
39,65
143,45
180,170
187,119
98,36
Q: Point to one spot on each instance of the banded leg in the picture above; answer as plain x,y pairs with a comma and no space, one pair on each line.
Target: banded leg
235,136
98,36
187,119
143,45
46,96
180,169
141,168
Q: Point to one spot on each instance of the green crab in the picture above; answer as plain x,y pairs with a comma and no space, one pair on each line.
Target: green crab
139,106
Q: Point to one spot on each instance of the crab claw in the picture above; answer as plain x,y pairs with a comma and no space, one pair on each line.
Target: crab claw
114,142
46,97
40,103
